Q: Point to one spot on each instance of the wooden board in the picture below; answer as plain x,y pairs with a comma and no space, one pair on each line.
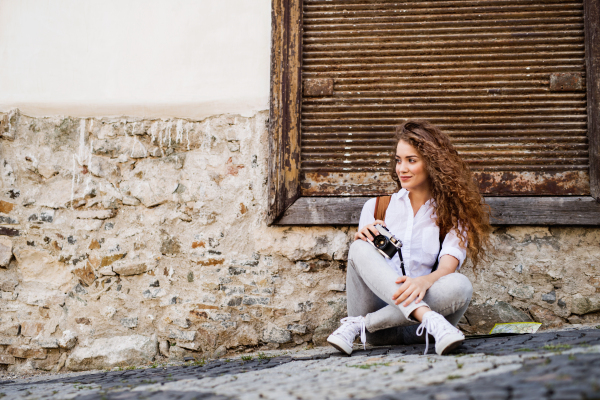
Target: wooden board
505,211
592,50
284,118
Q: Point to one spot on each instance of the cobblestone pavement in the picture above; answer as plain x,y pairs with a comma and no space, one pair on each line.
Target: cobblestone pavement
546,365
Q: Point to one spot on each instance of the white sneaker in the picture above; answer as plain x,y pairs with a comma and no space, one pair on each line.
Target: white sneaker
447,337
344,336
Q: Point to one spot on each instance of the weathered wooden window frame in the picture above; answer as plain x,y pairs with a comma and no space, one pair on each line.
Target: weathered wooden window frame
287,207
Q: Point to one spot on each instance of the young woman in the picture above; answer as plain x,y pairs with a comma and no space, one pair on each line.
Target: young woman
438,203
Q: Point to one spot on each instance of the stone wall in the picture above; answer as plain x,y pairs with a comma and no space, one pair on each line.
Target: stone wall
124,240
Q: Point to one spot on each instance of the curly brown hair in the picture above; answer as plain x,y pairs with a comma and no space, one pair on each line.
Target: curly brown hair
457,201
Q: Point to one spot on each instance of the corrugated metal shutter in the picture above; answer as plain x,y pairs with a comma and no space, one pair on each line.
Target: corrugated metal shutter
490,73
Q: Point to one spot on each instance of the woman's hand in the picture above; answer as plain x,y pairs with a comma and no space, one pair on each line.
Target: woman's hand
368,232
411,289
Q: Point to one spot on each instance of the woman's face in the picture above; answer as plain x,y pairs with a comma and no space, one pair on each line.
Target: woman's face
410,168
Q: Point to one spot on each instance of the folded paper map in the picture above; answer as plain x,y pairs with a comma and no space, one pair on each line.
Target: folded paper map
516,327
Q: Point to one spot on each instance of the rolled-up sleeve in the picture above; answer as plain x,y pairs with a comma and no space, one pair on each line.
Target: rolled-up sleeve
451,246
367,215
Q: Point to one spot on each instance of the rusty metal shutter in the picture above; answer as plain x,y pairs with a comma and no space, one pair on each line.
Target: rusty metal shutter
504,78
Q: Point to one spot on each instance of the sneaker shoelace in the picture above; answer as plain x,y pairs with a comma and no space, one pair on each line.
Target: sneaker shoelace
436,325
352,326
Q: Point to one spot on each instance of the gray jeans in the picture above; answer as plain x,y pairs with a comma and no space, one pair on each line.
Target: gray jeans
370,284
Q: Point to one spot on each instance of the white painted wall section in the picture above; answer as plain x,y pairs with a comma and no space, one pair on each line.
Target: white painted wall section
147,58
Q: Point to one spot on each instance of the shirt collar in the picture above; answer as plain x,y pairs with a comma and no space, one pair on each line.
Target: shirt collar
403,194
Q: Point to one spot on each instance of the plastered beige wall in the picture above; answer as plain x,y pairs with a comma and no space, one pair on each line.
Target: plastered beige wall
158,58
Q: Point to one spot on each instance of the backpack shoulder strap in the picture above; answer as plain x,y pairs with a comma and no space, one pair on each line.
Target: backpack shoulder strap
437,261
381,205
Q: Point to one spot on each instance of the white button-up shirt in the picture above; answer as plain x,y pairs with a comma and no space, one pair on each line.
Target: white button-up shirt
419,235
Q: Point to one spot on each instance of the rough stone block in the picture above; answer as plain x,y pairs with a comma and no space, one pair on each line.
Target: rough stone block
296,328
275,334
26,352
5,231
6,220
545,316
112,352
106,271
47,343
49,362
6,340
522,292
151,192
195,346
47,216
129,322
182,322
484,316
188,336
106,260
6,207
103,168
8,284
96,214
85,274
297,246
68,340
9,123
7,359
177,353
138,150
108,148
31,328
549,297
575,319
248,300
170,245
42,298
164,348
245,335
41,267
584,305
90,225
219,352
5,251
130,201
8,296
124,268
337,287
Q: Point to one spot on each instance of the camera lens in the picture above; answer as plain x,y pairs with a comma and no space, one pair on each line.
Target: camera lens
380,241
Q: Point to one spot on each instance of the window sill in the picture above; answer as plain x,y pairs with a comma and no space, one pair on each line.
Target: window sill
572,210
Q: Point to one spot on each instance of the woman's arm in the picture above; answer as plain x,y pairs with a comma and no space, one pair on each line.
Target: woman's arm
366,225
415,288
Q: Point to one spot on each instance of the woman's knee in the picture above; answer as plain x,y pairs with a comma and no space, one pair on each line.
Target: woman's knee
460,286
464,284
358,247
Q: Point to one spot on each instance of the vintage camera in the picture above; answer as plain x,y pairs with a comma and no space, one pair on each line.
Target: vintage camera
385,242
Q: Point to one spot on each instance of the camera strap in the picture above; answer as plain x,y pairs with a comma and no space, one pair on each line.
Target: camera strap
381,205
